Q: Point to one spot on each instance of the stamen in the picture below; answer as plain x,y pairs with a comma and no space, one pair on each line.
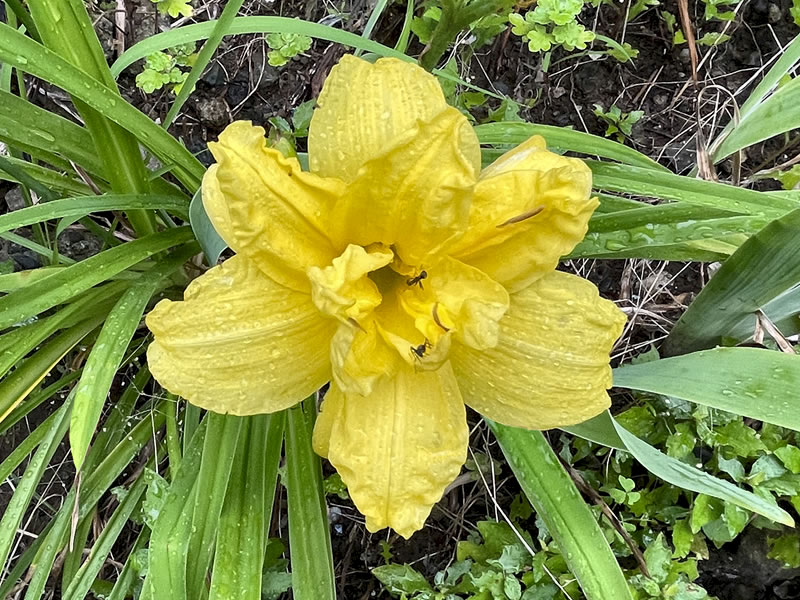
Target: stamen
523,217
436,317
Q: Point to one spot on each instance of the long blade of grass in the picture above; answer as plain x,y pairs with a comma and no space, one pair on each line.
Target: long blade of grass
27,376
50,178
22,122
109,349
776,115
567,517
244,25
33,58
34,472
35,399
783,65
93,487
309,531
628,179
85,205
605,430
73,556
18,342
219,450
26,446
566,140
765,267
221,28
66,28
82,582
245,518
166,571
783,311
62,285
127,577
675,231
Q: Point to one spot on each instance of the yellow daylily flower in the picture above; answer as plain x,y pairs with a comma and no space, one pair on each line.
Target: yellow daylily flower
401,272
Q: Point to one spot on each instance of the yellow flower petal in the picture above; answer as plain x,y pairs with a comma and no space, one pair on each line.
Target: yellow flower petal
239,343
457,298
398,448
365,106
416,195
343,289
551,367
265,207
360,355
530,208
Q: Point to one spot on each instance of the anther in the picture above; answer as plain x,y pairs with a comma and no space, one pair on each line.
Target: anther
436,317
523,217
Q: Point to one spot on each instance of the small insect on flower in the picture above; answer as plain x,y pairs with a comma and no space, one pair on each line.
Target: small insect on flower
419,351
412,281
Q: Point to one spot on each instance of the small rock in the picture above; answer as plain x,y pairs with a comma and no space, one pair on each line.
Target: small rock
78,244
685,56
660,99
214,75
26,260
213,111
14,199
774,14
236,92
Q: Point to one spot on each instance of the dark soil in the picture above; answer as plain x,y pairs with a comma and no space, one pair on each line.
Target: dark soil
241,85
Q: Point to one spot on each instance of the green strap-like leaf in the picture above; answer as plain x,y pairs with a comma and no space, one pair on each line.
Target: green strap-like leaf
245,25
604,430
93,487
64,284
565,139
221,28
14,511
219,450
23,123
753,382
112,528
85,205
309,531
33,58
567,517
166,571
245,518
763,268
667,186
27,376
109,349
674,231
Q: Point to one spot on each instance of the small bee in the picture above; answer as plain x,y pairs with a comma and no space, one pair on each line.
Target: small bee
419,351
417,280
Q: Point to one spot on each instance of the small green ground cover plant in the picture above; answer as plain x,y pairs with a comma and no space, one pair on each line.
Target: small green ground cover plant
169,68
285,46
618,124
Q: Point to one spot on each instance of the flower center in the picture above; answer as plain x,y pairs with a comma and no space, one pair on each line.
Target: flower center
393,313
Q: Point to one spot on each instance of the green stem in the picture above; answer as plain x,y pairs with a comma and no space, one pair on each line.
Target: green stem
173,439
